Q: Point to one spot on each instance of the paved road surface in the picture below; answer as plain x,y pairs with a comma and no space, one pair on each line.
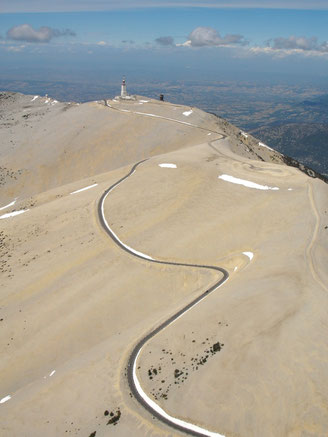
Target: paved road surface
134,384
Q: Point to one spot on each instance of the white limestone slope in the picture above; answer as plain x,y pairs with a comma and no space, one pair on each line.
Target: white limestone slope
73,304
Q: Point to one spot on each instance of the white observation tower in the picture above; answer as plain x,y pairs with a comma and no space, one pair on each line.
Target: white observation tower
124,95
123,89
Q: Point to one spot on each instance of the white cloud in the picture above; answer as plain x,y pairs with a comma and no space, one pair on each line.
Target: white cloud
15,49
281,47
207,36
283,53
295,42
185,44
25,32
165,41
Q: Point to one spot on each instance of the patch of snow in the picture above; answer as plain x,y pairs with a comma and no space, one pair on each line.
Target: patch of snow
244,134
50,374
9,204
249,254
187,113
159,116
264,145
167,165
47,101
34,98
143,255
83,189
246,183
150,115
54,102
12,214
5,399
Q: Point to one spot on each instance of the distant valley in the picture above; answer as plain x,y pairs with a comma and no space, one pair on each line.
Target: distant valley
301,132
307,142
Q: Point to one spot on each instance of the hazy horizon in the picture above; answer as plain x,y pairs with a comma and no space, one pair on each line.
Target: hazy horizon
166,43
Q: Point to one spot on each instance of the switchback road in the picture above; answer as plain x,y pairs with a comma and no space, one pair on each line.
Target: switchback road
133,381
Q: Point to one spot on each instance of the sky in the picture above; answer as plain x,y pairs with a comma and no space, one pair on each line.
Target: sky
164,40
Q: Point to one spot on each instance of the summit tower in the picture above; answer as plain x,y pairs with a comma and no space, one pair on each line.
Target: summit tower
123,89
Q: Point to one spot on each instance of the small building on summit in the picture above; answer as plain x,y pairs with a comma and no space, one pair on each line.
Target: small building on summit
124,95
123,89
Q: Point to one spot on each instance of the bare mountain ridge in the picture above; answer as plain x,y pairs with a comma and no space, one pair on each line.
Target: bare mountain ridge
194,280
49,143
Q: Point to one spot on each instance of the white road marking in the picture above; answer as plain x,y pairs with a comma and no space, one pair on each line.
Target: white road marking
12,214
167,165
5,399
83,189
9,204
246,183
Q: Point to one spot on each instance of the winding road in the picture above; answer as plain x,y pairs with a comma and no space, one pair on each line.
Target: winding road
133,381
